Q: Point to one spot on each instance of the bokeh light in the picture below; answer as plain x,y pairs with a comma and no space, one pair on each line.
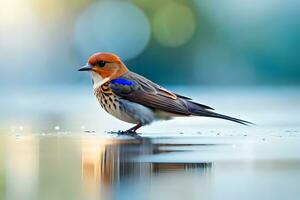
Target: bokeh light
174,24
43,42
118,27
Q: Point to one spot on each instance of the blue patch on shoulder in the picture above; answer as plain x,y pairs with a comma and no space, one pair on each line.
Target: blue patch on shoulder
122,81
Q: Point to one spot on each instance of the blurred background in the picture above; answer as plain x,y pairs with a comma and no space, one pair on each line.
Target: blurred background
178,43
207,42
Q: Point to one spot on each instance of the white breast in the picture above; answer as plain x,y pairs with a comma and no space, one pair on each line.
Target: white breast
98,80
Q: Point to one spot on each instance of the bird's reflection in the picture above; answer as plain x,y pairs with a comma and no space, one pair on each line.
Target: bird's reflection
107,164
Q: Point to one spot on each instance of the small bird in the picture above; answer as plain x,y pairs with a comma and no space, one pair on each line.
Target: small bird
135,99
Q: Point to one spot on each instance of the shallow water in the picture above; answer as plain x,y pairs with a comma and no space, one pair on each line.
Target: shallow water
56,146
93,166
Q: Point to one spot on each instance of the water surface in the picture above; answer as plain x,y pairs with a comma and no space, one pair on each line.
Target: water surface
205,166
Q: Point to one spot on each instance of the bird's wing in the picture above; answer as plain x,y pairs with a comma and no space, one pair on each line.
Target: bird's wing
146,83
163,91
136,88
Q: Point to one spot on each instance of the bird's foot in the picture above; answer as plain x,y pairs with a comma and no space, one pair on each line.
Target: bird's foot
131,133
127,132
123,132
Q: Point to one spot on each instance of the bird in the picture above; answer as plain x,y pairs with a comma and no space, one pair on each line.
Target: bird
135,99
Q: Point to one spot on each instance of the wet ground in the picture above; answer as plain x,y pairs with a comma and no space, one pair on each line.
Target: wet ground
67,153
204,166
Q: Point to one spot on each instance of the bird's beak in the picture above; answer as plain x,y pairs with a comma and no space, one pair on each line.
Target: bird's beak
86,67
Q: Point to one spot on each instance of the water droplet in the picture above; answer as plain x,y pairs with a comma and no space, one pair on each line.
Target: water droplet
21,128
82,127
57,128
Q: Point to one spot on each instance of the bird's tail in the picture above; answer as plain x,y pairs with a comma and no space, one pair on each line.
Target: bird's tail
200,111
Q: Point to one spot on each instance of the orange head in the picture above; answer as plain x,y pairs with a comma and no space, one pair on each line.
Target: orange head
104,67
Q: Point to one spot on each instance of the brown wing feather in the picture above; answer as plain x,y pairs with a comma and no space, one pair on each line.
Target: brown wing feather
149,86
147,93
159,102
154,88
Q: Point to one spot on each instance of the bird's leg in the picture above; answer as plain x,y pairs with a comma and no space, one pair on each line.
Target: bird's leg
133,129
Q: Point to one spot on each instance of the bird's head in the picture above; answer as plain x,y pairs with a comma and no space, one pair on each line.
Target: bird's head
104,67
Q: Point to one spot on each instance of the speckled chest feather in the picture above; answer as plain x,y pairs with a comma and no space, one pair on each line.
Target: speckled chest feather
121,108
107,99
114,105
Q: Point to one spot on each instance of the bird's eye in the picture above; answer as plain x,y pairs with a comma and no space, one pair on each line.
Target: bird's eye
101,63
